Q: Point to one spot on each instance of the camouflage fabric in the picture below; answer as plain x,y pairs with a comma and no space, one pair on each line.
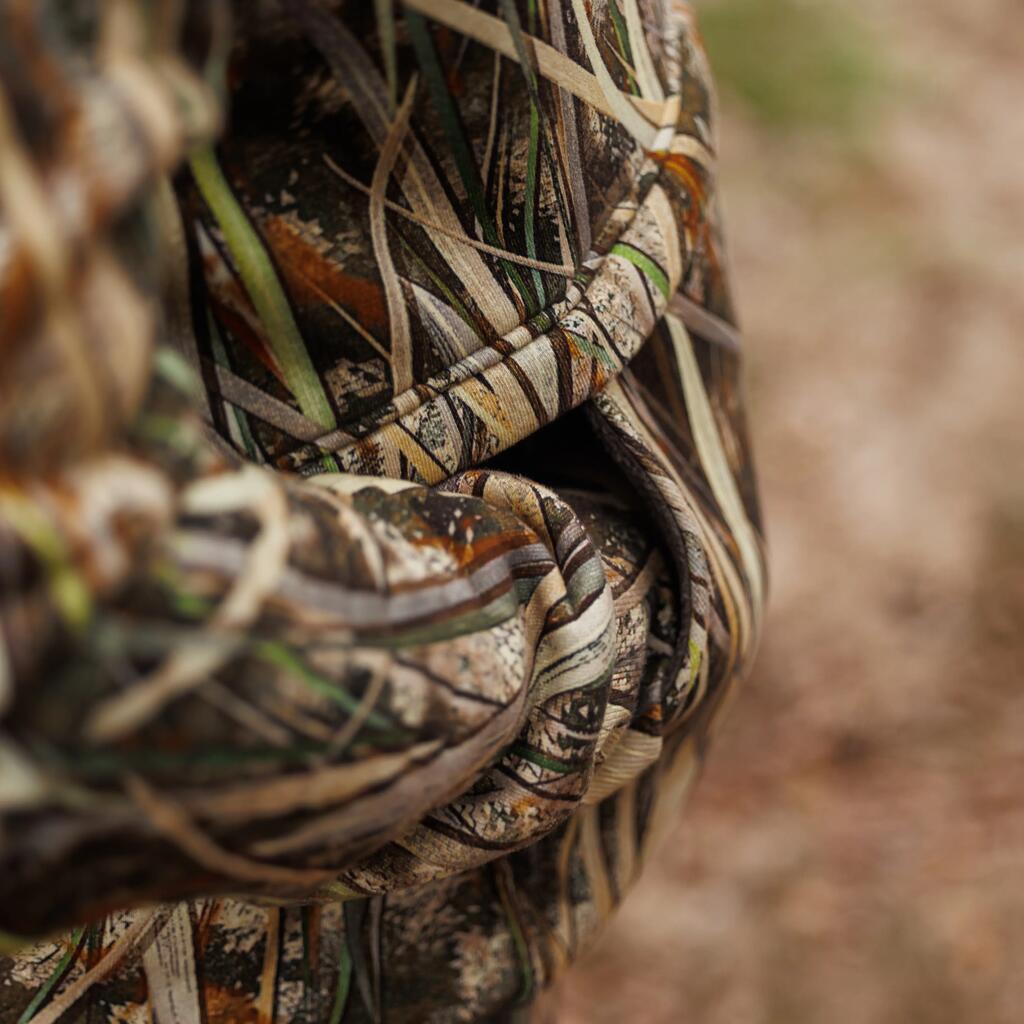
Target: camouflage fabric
378,532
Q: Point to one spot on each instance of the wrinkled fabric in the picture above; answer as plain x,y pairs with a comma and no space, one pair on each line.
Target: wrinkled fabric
378,531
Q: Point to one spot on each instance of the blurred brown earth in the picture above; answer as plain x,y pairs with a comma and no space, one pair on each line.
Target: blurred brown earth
855,850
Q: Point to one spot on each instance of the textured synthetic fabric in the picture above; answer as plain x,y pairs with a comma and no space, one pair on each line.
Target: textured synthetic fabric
378,533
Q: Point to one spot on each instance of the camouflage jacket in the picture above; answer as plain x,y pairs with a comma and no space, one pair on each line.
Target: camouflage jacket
378,533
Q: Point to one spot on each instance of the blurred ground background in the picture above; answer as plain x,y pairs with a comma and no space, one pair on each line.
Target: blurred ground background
855,850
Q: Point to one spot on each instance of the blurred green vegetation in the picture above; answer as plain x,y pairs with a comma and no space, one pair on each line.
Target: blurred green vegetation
794,63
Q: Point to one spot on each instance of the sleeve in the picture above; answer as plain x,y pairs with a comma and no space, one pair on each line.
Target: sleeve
215,677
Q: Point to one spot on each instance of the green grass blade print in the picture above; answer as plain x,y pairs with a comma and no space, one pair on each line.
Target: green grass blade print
264,289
